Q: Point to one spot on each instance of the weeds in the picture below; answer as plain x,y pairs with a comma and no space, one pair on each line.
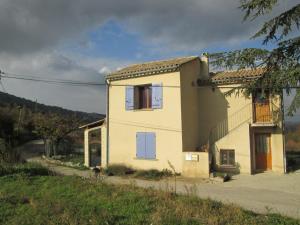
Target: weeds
29,169
73,200
118,170
123,170
153,174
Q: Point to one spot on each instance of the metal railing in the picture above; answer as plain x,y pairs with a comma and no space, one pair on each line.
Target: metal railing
247,114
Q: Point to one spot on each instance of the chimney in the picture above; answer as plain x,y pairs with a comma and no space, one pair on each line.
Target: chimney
204,67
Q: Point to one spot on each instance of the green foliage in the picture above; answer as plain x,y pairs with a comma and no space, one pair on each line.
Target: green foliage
282,68
258,7
72,200
54,129
29,169
153,174
123,170
8,154
118,170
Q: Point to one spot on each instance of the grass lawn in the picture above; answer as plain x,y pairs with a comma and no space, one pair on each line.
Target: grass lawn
37,198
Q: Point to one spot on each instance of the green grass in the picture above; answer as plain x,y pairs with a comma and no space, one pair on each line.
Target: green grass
29,169
48,199
73,161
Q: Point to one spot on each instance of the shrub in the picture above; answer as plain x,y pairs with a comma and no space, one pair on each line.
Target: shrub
8,154
30,169
118,170
153,174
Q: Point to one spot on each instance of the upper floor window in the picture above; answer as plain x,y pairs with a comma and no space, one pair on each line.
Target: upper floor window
148,96
143,97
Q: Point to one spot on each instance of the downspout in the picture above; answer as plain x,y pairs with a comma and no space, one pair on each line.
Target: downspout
107,122
283,132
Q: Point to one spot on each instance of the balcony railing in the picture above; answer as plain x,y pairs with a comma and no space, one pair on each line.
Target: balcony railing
265,113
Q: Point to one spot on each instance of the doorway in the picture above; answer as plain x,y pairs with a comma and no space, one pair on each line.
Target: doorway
263,152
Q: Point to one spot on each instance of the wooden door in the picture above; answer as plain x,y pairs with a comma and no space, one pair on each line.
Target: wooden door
263,153
262,108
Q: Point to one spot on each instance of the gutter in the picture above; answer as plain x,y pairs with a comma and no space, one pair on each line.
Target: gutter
283,133
107,122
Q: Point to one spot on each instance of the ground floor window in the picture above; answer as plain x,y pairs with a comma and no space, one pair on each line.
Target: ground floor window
227,157
145,145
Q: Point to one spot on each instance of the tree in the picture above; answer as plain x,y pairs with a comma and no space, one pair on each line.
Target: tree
282,68
53,129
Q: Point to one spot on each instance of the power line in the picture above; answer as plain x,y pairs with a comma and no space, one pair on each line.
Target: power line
81,83
69,82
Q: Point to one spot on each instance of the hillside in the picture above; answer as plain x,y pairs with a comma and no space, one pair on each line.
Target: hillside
7,99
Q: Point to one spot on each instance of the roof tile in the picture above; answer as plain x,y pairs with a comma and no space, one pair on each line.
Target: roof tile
150,68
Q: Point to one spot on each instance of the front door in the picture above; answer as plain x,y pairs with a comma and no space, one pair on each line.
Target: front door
263,154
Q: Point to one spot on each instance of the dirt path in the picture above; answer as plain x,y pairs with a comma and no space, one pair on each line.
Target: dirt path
262,193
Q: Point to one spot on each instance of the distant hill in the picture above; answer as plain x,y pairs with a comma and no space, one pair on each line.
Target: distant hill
11,100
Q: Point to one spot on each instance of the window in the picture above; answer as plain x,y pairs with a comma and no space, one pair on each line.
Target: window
227,157
145,145
147,96
143,97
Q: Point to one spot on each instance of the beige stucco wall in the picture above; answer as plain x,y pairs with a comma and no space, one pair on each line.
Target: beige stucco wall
86,148
198,166
229,118
239,141
103,146
165,122
190,105
187,120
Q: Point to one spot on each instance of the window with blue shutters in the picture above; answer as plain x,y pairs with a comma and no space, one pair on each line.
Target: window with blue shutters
148,96
145,145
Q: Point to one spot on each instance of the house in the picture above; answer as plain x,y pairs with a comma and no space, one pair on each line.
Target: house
175,111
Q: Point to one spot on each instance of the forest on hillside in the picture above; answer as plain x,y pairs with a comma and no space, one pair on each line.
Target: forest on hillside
22,120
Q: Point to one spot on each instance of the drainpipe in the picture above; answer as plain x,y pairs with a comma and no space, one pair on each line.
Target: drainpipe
283,131
107,122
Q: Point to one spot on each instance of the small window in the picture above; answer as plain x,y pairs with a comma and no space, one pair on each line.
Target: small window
143,97
227,157
148,96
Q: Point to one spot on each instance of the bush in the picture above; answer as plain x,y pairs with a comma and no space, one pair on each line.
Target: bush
8,154
153,174
30,169
123,170
118,170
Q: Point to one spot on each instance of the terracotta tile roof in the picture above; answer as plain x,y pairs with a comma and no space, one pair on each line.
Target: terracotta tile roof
237,76
150,68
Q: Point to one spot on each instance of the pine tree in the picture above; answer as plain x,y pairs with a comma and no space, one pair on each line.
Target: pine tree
282,68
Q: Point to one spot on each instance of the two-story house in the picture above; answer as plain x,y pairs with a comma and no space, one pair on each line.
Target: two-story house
174,111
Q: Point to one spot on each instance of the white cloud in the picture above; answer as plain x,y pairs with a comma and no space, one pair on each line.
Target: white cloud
34,31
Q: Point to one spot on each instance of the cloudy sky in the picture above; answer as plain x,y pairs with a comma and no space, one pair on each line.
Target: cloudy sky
85,39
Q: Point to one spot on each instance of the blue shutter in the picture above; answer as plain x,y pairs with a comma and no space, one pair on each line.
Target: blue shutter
150,145
140,145
129,101
157,96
